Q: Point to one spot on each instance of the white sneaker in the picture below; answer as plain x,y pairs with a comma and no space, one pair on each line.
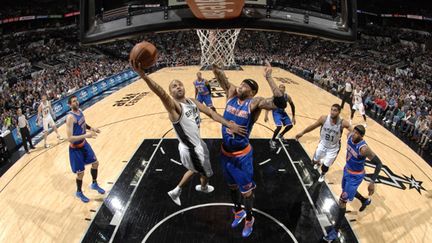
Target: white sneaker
365,125
60,138
175,197
47,146
316,166
321,178
207,189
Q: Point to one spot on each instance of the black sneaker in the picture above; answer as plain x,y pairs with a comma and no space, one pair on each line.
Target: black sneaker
365,204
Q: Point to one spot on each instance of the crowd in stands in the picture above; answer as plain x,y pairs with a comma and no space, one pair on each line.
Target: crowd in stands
396,78
53,64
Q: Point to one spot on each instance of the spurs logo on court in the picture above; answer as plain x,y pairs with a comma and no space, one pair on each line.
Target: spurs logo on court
130,99
394,180
286,80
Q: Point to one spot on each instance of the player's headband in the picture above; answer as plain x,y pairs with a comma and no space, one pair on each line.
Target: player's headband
252,84
360,129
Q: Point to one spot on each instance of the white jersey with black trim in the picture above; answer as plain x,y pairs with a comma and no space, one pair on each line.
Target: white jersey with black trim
358,94
46,109
331,133
187,126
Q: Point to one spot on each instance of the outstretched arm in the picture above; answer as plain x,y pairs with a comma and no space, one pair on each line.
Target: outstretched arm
292,109
228,87
240,130
171,106
268,75
345,124
368,153
311,127
262,103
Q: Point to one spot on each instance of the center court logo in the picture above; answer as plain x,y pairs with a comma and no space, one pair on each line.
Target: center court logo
216,9
216,90
286,80
130,99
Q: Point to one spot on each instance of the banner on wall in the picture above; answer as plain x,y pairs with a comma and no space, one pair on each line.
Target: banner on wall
60,107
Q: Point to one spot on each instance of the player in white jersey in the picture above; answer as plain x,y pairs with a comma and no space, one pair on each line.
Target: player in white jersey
330,135
45,116
185,117
358,104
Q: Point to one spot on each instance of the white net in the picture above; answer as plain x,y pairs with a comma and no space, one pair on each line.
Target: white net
217,46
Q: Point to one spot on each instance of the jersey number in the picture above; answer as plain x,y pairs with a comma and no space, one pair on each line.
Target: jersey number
327,137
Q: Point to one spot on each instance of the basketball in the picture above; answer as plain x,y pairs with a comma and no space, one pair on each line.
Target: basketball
144,53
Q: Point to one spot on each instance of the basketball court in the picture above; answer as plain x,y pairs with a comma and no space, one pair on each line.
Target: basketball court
139,163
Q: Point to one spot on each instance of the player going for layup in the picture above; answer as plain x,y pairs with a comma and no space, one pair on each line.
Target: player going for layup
243,108
203,91
185,117
280,117
358,104
330,139
46,113
353,174
80,151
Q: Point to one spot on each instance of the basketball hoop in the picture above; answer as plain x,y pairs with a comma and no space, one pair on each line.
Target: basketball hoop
217,46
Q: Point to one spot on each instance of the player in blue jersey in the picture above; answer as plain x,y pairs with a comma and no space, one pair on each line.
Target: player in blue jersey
281,118
243,108
80,151
203,91
357,152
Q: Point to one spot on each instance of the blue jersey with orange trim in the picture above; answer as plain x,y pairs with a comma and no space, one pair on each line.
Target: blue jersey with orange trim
201,87
355,161
79,127
238,112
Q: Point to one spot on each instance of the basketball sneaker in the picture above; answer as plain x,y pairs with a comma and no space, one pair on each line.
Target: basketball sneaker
316,166
175,196
321,178
281,138
81,196
331,236
365,204
206,189
248,228
238,218
96,187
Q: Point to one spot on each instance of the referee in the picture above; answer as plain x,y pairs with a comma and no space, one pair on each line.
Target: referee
347,93
24,130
